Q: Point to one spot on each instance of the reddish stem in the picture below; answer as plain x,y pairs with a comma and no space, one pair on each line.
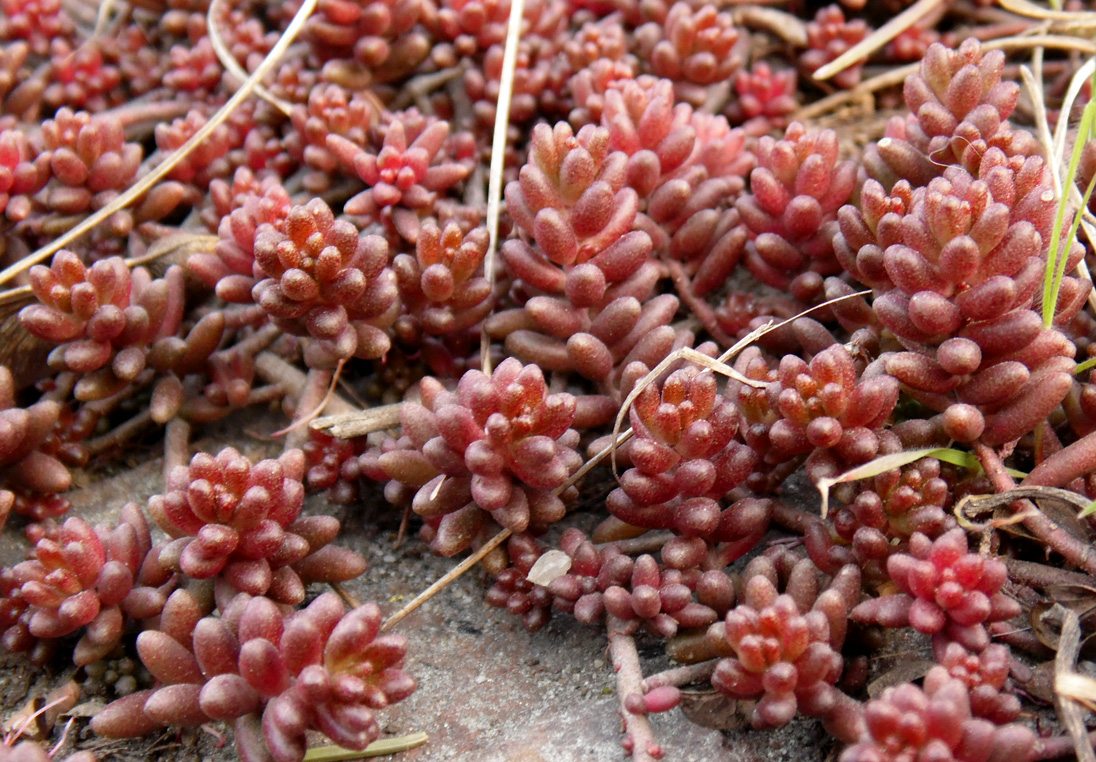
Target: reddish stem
679,676
700,308
639,737
176,445
1058,747
1075,551
1043,576
1065,465
793,519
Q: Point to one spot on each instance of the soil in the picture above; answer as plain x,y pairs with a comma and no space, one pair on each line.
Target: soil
488,690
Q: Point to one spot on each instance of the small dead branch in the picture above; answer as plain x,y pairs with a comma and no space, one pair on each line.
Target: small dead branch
360,422
878,38
1071,690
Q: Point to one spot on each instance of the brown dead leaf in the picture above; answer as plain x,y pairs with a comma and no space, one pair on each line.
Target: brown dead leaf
37,717
905,672
711,709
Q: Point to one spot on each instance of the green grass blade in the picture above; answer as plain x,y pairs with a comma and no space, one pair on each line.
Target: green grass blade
1058,253
1089,363
375,749
885,463
1091,509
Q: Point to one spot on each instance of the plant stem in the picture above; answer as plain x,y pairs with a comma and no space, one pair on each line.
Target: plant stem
679,676
1075,551
639,737
1042,575
698,306
176,445
1067,464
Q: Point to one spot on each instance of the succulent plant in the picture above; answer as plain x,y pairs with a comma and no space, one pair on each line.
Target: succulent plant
338,220
246,204
571,200
23,172
320,668
330,110
985,674
333,465
694,46
795,192
97,580
104,318
241,522
765,97
443,290
25,462
784,649
945,590
377,40
829,35
959,109
685,458
81,78
89,163
959,287
493,451
36,21
29,751
885,511
406,173
512,589
907,722
325,280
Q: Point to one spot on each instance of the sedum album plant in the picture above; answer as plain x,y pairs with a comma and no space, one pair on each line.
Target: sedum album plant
594,294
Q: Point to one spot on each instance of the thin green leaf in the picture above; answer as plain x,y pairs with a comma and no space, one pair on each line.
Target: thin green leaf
875,467
1089,363
1058,254
375,749
967,460
1088,511
886,463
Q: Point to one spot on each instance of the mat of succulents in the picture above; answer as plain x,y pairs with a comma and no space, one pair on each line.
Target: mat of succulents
557,379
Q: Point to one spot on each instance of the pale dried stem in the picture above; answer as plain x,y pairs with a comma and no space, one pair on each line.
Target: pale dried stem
878,38
450,576
698,306
420,86
679,676
498,158
120,434
778,23
275,370
882,81
650,542
1054,145
232,66
1065,663
360,422
311,400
